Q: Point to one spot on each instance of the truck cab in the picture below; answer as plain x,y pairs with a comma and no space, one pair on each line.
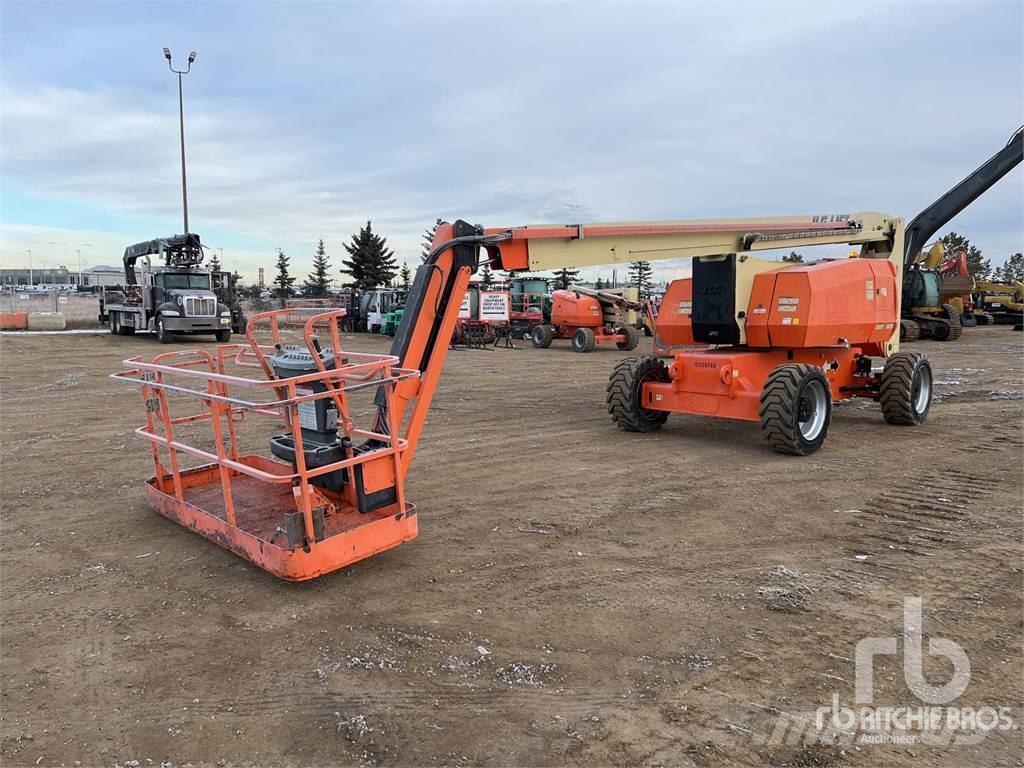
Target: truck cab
176,298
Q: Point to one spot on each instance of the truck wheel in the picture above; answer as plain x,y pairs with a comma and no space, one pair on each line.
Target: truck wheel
163,335
632,337
796,409
624,394
584,340
223,336
541,336
905,393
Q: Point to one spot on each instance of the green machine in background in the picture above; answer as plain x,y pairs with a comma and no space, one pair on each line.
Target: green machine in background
391,320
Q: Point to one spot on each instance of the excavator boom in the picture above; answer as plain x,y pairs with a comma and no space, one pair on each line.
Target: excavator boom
924,226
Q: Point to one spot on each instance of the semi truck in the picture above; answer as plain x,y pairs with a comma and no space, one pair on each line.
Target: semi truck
175,298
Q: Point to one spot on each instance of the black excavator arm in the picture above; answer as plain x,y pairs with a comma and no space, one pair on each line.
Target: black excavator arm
924,226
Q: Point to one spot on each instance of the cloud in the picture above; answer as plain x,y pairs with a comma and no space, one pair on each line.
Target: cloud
405,113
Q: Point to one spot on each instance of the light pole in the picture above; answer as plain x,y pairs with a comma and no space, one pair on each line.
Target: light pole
181,124
30,281
79,252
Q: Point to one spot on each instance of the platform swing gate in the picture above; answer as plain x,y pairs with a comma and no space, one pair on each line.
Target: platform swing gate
297,519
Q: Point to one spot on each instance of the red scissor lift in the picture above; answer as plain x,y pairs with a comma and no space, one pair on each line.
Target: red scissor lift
275,513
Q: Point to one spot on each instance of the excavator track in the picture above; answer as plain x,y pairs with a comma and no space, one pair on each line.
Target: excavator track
910,331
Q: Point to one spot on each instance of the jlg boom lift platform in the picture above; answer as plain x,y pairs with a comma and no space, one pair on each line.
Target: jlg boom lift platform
780,344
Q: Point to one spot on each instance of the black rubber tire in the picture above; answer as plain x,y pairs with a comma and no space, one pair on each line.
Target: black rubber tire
223,336
163,335
951,313
127,330
647,330
968,321
541,336
910,330
782,399
624,385
902,377
361,326
632,338
584,340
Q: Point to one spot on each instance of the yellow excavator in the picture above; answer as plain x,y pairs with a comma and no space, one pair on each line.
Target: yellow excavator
1004,302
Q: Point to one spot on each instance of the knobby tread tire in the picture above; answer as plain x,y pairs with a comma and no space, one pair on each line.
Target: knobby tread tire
623,396
896,393
780,405
590,343
632,338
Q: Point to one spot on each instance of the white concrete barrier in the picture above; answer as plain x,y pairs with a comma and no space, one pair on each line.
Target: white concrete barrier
46,321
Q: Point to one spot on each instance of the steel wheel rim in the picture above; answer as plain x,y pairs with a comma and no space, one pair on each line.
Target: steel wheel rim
813,407
922,389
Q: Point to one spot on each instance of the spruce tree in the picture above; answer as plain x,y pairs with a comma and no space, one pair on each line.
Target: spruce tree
794,258
640,275
428,239
566,277
1012,271
283,281
486,277
372,264
319,281
405,276
979,267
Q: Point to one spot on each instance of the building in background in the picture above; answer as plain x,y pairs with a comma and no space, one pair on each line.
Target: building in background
23,278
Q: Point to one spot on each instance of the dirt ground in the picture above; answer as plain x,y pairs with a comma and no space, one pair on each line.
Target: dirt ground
576,595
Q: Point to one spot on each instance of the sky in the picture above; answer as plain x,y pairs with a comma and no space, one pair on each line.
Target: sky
304,120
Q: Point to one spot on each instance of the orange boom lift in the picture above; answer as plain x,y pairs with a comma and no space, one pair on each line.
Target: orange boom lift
779,343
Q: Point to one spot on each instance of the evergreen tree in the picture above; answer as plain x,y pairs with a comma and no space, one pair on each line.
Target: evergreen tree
1012,271
236,280
405,276
428,238
566,277
372,264
319,281
486,277
599,284
283,281
979,267
794,258
640,275
214,263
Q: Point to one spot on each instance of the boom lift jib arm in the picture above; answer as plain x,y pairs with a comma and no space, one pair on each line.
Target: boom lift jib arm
422,339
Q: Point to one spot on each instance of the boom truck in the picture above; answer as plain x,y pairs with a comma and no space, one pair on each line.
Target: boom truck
781,343
177,297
